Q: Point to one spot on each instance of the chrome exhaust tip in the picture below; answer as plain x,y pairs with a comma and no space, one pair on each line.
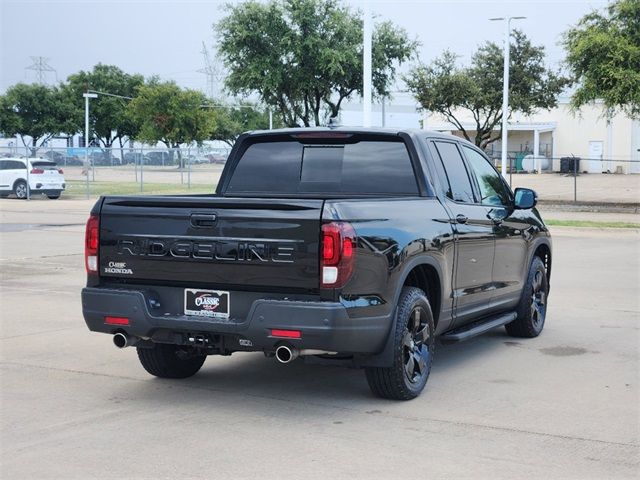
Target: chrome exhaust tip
122,340
286,354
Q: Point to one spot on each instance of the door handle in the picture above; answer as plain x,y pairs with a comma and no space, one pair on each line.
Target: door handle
460,218
200,220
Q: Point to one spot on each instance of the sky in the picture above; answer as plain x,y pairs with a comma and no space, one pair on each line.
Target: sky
164,37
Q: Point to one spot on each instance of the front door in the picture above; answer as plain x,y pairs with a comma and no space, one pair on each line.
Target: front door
473,232
4,175
509,226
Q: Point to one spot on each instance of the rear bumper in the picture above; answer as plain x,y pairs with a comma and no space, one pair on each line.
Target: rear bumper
40,187
323,325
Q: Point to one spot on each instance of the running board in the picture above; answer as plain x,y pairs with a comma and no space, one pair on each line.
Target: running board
477,328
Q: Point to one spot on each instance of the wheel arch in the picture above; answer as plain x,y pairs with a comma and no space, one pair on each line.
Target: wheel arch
426,277
16,182
543,251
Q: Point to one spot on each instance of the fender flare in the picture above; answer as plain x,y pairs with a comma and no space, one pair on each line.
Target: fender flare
385,357
532,250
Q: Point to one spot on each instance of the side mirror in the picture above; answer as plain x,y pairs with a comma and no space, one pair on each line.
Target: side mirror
525,198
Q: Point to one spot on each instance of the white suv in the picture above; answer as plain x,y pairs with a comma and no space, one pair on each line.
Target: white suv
44,177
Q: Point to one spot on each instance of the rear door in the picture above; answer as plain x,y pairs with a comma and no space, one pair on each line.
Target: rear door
206,241
474,235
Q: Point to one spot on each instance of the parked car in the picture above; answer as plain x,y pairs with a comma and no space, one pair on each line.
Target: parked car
132,158
217,158
348,246
103,159
196,160
157,158
44,177
73,160
54,156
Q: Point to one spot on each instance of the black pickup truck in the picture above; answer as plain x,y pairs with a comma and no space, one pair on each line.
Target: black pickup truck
352,246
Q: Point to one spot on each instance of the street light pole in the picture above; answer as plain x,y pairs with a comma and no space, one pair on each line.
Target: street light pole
87,96
505,90
367,64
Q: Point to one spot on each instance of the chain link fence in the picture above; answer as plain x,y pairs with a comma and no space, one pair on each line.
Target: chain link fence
574,179
134,171
115,171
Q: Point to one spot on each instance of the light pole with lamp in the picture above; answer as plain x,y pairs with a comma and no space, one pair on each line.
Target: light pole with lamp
367,61
87,96
505,89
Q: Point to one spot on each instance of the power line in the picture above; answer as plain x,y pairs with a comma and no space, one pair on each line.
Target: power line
41,66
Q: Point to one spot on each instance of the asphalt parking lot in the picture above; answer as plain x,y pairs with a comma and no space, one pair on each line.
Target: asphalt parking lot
564,405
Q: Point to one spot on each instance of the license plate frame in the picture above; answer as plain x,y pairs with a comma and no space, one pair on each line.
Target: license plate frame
207,303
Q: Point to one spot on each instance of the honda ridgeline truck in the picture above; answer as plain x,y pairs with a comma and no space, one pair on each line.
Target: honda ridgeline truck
353,246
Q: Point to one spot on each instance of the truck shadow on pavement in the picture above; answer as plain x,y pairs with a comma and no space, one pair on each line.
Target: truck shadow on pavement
253,375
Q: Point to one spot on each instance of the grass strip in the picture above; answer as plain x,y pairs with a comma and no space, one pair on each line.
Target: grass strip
591,224
78,188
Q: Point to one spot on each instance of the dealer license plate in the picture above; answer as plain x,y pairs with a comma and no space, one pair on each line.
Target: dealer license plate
206,303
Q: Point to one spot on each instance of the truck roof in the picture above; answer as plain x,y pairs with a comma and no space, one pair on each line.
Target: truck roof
361,130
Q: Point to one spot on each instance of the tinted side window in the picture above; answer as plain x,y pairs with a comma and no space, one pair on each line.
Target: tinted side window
460,188
3,165
492,188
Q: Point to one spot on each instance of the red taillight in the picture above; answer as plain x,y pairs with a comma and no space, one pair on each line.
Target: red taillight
286,333
60,171
35,171
338,256
116,320
91,242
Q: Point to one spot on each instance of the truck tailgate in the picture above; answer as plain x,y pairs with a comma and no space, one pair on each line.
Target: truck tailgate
209,240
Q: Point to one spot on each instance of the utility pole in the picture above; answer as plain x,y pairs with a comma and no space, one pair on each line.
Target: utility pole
505,89
367,62
212,71
41,66
87,96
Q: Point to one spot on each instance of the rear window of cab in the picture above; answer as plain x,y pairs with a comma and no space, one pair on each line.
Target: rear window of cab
365,167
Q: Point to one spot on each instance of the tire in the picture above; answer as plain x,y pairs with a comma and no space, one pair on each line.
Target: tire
170,361
20,189
532,308
413,350
54,197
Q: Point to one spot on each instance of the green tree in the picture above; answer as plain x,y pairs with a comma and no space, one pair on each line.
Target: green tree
35,113
231,121
445,88
108,121
603,54
304,57
165,113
